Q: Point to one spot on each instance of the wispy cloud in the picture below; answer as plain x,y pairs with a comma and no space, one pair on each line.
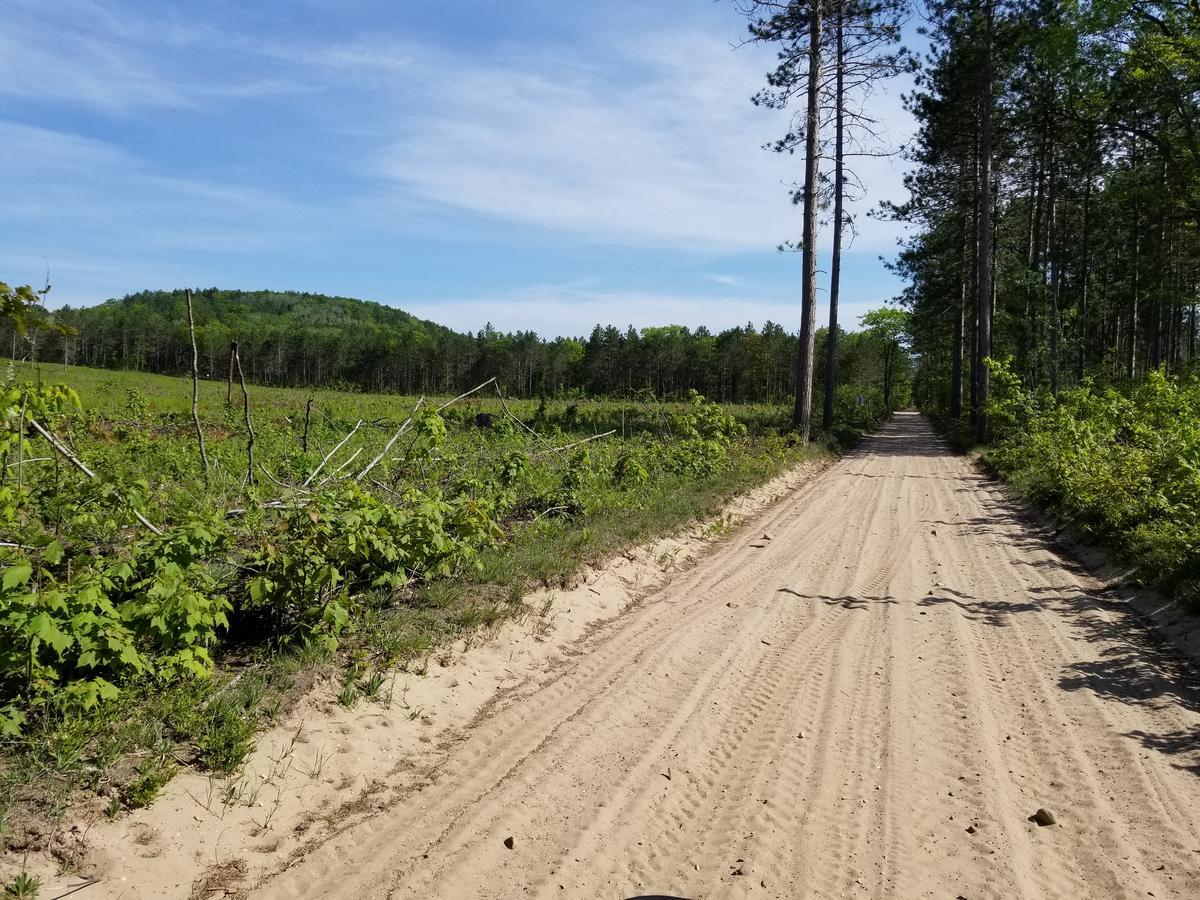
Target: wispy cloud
726,280
658,145
177,144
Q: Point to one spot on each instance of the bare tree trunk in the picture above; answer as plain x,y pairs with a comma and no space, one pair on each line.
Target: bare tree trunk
1085,277
237,359
839,184
1054,259
229,375
1131,349
802,416
196,385
975,288
956,359
983,283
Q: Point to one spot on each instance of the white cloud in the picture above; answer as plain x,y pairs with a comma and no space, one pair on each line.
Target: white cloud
632,137
95,199
726,280
95,55
654,142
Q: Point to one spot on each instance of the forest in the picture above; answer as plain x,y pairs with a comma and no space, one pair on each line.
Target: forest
1054,198
295,339
1053,267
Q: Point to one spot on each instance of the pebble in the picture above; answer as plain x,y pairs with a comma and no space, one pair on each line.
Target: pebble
509,842
1044,817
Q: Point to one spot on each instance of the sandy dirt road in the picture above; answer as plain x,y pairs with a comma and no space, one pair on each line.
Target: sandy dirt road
871,701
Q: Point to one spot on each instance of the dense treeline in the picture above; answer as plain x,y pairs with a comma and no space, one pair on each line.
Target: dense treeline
292,339
1056,195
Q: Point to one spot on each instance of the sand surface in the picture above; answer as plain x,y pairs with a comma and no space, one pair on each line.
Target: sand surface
868,691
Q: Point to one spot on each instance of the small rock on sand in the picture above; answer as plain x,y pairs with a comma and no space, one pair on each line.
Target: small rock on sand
1043,817
509,842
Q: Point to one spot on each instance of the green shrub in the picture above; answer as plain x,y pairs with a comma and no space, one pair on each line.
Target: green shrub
1123,465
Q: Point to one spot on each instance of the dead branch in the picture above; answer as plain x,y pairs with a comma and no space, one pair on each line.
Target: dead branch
196,385
28,462
21,443
353,456
237,358
404,426
594,437
478,387
229,376
290,487
330,454
77,463
508,412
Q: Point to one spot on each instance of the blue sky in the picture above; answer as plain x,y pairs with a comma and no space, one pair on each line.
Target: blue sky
535,164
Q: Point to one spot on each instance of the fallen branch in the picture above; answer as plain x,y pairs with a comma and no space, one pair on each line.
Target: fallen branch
290,487
270,504
329,455
467,394
27,462
77,463
353,456
594,437
392,440
384,487
546,512
508,412
404,426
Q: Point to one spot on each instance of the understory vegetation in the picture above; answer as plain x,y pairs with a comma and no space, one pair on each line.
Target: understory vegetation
1122,465
172,579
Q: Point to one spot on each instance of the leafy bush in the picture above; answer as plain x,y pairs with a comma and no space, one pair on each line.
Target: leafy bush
344,540
1122,464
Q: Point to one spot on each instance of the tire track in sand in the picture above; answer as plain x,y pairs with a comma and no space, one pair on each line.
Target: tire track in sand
920,637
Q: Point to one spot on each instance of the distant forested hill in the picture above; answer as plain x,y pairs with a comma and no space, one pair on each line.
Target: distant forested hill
291,338
285,337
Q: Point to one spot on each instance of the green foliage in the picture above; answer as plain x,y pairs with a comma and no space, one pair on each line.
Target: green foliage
22,886
152,776
21,308
1122,465
111,636
169,597
629,470
280,333
320,553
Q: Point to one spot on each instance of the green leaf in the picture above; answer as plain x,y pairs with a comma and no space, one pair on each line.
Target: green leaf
17,574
